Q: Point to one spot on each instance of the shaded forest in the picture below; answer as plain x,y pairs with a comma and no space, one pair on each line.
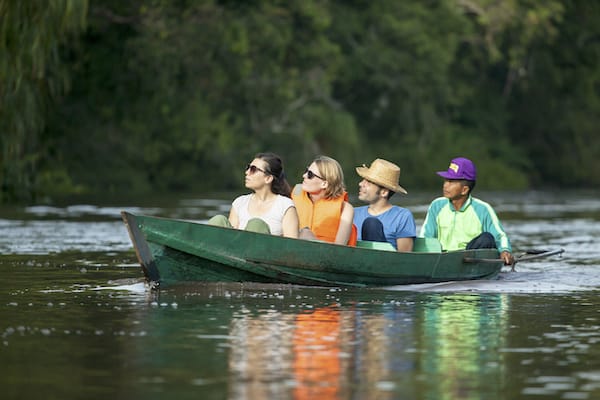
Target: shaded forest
156,96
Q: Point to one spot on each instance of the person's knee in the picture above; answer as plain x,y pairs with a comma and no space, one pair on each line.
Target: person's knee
306,234
371,223
483,241
372,230
220,220
487,240
258,225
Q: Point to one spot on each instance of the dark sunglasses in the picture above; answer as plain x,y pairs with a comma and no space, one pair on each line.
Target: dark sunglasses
310,174
254,168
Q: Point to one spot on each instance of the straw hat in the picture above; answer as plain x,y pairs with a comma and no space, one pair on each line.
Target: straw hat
382,173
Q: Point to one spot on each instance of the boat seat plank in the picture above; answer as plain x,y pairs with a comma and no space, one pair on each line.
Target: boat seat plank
421,245
427,245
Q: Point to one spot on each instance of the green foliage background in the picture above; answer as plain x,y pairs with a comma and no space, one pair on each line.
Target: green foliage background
112,97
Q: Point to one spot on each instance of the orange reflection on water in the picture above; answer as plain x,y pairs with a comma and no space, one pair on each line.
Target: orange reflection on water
316,348
325,353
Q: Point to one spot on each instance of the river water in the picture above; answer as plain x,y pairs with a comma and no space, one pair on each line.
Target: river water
78,321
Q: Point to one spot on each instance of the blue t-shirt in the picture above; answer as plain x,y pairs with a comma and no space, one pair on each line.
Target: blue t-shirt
397,223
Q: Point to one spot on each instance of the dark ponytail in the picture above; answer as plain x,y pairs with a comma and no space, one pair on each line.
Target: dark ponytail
280,184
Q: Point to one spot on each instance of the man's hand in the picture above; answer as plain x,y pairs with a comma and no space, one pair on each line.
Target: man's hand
507,257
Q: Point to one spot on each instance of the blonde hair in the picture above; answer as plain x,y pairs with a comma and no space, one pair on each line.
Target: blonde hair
332,172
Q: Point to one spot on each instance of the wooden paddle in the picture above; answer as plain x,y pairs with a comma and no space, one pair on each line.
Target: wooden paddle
528,255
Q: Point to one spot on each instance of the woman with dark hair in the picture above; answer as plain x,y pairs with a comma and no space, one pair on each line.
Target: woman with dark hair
269,208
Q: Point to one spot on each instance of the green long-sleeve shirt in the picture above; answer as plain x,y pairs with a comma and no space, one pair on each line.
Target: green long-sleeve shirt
454,229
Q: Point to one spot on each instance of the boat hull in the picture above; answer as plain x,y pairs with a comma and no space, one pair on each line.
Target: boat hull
172,251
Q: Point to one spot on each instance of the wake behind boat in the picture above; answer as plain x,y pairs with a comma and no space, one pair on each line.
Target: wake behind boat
172,251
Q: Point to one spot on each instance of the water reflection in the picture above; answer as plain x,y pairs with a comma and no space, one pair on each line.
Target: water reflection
259,350
462,336
255,342
316,348
451,344
274,353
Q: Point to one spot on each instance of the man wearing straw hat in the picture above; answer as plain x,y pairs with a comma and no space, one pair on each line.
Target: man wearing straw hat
380,221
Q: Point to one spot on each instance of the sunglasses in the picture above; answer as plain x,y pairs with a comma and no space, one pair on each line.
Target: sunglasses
311,175
254,168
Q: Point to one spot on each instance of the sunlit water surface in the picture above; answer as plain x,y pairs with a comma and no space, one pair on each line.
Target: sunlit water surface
77,320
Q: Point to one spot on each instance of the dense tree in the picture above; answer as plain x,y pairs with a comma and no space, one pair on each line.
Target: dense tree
193,89
556,111
172,96
32,77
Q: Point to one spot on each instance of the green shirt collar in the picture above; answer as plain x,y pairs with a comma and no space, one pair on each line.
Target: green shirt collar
464,206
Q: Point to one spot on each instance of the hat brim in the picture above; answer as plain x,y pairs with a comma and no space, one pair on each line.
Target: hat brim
363,172
452,176
447,175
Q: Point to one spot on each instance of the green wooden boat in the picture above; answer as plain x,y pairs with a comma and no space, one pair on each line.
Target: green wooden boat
172,251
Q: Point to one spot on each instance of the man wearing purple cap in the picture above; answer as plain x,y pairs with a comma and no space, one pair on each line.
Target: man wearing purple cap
460,221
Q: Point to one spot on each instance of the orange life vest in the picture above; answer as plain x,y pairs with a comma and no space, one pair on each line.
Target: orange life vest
323,216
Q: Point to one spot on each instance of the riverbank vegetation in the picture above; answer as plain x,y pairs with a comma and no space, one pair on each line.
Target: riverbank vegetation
112,97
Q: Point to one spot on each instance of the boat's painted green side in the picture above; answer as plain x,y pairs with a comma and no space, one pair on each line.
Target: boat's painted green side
172,251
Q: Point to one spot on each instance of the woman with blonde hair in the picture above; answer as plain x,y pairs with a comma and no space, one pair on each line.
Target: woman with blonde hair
322,203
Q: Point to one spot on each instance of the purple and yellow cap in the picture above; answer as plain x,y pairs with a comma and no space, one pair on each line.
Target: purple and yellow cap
460,168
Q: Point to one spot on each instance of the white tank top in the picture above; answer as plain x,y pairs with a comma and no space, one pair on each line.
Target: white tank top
273,217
